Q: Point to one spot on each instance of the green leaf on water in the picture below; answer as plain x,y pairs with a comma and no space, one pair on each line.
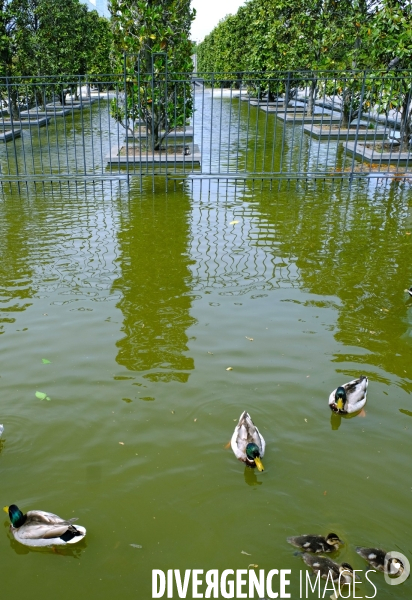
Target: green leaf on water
45,361
42,396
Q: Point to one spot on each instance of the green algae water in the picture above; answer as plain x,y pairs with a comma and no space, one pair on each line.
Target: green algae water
139,303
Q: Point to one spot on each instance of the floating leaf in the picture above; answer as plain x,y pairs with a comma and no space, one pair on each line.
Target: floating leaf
248,338
121,443
247,553
45,361
229,369
147,398
253,566
42,396
135,546
233,222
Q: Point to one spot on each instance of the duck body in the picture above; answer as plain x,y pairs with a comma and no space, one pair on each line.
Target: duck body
316,543
376,558
247,443
324,566
409,291
38,528
350,397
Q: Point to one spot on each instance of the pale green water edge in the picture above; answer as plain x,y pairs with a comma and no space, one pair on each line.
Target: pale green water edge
141,302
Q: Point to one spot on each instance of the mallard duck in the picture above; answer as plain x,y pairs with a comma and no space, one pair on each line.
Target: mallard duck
350,397
247,443
376,558
323,565
39,528
316,543
409,291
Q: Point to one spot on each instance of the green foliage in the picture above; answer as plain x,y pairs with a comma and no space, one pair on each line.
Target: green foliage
303,37
51,37
155,36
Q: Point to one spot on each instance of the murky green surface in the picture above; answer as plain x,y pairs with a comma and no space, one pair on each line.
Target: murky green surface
140,303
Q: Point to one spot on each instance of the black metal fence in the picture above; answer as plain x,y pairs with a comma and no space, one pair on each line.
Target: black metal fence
210,125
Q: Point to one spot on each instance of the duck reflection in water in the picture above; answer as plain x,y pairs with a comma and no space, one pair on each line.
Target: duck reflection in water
250,477
336,419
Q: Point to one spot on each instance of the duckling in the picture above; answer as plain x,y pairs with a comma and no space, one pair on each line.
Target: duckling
409,291
323,565
316,543
39,528
247,443
376,558
350,397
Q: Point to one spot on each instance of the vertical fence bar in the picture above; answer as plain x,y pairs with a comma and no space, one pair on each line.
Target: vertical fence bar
126,117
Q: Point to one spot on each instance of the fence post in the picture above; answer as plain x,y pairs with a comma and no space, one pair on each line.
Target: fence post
12,122
126,117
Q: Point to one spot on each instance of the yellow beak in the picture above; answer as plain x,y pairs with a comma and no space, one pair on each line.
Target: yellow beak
6,509
259,465
339,404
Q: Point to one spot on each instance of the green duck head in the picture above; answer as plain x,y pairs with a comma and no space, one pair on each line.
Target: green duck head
340,398
17,518
253,454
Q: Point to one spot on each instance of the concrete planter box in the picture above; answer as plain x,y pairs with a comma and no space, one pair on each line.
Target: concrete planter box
137,157
280,110
262,103
179,135
386,158
51,111
73,105
327,133
27,123
319,118
6,136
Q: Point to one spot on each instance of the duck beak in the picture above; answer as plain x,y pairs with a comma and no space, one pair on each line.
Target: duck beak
339,404
259,465
6,509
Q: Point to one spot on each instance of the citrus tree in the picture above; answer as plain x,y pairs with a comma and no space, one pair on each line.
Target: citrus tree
154,39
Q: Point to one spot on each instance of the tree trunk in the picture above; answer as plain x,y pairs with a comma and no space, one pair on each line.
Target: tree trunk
14,108
312,95
406,125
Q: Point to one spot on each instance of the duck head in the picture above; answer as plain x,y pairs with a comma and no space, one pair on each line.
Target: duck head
340,398
253,455
333,540
16,516
395,567
346,571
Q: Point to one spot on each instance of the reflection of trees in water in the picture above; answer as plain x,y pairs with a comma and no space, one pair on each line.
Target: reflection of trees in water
155,285
16,273
352,244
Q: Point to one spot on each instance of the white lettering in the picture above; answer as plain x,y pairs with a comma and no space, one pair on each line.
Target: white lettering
196,582
269,589
284,582
170,583
182,589
326,589
354,582
229,590
374,586
240,583
256,584
157,592
317,581
212,580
